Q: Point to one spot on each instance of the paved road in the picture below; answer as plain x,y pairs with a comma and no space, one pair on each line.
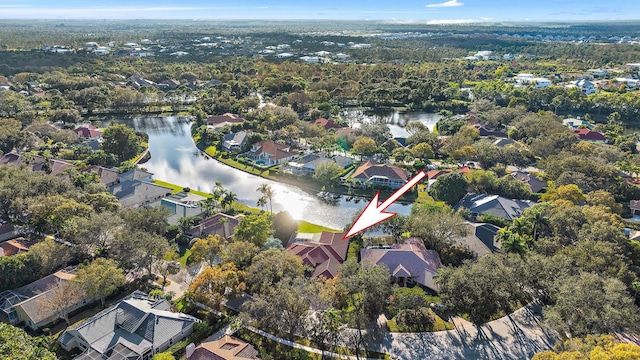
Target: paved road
517,336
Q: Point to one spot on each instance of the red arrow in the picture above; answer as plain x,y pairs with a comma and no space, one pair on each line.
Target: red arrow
374,214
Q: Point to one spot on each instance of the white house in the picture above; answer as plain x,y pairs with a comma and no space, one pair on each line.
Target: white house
585,86
284,55
523,80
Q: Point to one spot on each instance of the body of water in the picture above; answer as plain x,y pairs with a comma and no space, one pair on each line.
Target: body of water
175,159
394,119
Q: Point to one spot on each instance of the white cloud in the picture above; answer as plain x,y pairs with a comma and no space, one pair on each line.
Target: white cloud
450,3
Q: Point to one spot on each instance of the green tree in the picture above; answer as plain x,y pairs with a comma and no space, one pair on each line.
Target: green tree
436,225
240,253
450,188
422,151
217,283
482,181
208,249
271,266
100,279
253,228
267,194
15,343
164,356
326,172
364,146
122,141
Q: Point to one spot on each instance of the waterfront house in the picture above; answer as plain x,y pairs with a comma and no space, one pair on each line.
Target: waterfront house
409,263
325,123
307,165
135,188
180,205
324,252
380,175
88,132
234,141
108,177
221,224
137,327
269,153
219,121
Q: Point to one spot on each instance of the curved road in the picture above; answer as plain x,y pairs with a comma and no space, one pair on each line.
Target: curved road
516,336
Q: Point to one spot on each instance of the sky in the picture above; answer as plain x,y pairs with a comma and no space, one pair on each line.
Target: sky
431,11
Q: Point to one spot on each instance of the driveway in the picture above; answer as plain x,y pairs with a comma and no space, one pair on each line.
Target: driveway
517,336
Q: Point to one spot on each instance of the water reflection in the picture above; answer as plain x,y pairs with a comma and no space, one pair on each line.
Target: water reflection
175,158
394,119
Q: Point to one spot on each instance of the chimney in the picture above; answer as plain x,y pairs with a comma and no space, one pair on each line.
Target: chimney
190,349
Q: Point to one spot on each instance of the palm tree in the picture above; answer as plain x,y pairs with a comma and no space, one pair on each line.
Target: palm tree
228,198
262,202
511,242
268,193
520,226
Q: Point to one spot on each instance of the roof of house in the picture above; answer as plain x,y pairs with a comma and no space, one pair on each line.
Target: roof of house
59,166
634,204
324,252
225,348
237,138
107,176
277,151
480,238
136,324
483,204
312,161
410,259
37,291
503,142
489,131
586,134
221,120
88,131
344,131
325,123
132,193
15,246
370,169
135,174
216,225
536,184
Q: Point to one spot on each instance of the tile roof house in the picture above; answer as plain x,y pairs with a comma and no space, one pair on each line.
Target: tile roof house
225,348
15,246
234,141
483,204
486,130
26,304
591,136
308,164
135,328
409,263
535,184
218,121
325,123
480,239
324,252
270,153
221,224
380,175
54,167
88,131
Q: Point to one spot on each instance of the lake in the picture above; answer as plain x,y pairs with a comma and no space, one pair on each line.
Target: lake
394,119
176,159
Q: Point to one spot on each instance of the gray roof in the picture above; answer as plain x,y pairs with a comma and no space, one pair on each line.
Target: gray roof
132,193
503,142
138,323
135,174
237,138
483,204
535,184
480,239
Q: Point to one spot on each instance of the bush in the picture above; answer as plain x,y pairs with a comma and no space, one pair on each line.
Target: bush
490,219
420,319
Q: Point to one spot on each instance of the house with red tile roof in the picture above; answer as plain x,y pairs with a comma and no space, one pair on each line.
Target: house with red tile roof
221,224
270,153
591,136
325,123
380,175
225,348
324,252
409,263
218,121
345,132
88,132
15,246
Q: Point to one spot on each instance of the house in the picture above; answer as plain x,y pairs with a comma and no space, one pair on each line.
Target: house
137,327
586,86
324,252
326,123
108,177
590,136
345,132
307,165
409,263
495,205
502,142
535,184
132,194
380,175
138,81
27,305
136,175
634,206
480,239
524,80
88,132
219,121
486,130
234,141
270,153
53,167
574,124
7,231
168,84
15,246
225,348
221,224
182,204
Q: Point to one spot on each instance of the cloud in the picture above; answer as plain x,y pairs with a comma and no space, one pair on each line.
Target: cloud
450,3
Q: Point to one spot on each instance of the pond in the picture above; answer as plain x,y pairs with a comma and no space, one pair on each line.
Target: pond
394,119
176,159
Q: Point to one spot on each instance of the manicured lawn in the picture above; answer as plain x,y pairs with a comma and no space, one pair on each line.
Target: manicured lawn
177,188
184,256
354,250
308,227
211,151
244,167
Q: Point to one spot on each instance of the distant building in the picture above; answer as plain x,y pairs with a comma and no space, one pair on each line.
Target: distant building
88,132
574,124
535,184
269,153
591,136
326,123
380,175
219,121
524,80
307,165
234,141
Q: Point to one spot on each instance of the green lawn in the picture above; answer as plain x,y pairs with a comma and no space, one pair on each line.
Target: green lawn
177,188
184,256
308,227
440,325
211,151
